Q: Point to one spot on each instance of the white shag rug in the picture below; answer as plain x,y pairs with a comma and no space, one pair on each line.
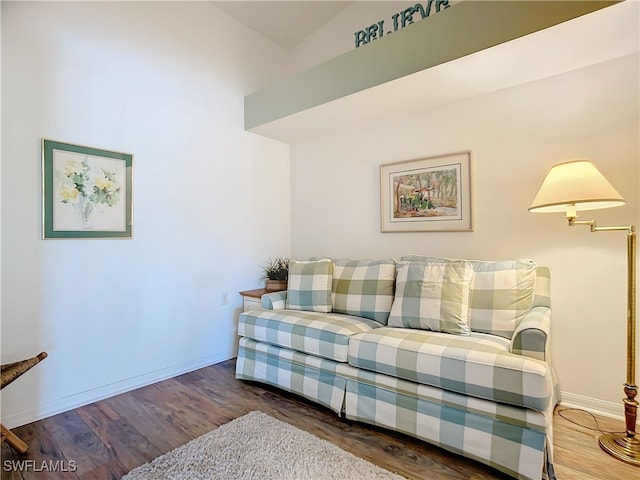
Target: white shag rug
259,447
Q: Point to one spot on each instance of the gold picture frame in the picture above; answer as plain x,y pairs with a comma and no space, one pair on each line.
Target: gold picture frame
432,194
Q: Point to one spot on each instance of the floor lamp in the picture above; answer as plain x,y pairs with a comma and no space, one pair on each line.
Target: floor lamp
578,185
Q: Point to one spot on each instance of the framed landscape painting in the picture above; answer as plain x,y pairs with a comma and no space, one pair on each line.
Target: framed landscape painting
86,192
431,194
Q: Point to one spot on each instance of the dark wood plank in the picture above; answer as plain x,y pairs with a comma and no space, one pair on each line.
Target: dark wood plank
190,407
108,471
44,451
149,417
9,470
97,414
77,441
128,446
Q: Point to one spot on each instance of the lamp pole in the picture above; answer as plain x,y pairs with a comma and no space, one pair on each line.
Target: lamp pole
579,185
624,447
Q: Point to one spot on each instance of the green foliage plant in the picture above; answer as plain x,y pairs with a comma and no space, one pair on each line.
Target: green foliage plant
275,269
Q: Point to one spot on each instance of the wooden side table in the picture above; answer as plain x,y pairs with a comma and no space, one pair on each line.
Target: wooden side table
253,298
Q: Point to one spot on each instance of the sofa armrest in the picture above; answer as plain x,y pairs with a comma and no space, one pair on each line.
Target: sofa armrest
274,301
532,337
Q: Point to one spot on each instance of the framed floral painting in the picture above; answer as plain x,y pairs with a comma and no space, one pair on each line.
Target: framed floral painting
86,192
431,194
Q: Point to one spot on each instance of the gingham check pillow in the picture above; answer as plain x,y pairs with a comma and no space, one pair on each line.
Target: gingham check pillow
309,285
501,293
364,287
432,296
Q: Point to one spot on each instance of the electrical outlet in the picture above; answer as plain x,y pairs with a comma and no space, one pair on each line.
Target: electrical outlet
224,298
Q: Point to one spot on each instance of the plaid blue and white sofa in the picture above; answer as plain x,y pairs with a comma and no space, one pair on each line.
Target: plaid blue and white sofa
453,352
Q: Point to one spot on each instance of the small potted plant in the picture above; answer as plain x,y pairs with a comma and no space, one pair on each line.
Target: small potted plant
275,273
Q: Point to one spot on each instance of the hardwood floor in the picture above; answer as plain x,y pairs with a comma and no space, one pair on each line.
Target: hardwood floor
108,438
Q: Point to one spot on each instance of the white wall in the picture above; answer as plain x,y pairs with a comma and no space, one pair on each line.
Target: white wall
166,82
515,135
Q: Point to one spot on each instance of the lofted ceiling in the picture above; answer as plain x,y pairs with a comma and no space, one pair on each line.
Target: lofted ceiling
600,36
285,23
594,38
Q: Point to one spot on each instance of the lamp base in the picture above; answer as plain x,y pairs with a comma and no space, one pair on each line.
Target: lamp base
621,447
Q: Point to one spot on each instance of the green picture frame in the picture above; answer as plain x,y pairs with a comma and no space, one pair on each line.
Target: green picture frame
86,192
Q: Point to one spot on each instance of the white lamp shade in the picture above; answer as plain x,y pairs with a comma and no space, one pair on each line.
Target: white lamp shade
578,185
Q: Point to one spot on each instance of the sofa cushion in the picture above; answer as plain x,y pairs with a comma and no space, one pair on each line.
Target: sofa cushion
478,365
322,334
432,296
364,287
501,293
309,285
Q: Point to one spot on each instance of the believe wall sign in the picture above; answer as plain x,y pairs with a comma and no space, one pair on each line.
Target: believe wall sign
400,20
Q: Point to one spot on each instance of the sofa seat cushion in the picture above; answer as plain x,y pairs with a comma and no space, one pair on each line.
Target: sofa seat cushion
325,335
478,365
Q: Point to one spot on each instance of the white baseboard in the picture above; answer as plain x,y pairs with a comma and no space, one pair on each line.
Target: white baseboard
100,393
593,405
